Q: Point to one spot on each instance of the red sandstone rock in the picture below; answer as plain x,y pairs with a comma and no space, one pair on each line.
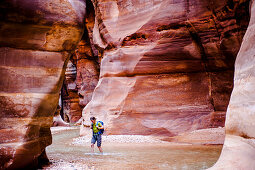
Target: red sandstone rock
69,95
57,120
87,72
167,66
81,78
239,147
36,39
166,69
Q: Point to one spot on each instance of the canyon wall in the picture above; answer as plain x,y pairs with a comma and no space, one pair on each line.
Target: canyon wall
239,146
36,40
167,66
81,78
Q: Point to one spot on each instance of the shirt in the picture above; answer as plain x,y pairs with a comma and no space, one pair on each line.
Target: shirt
95,129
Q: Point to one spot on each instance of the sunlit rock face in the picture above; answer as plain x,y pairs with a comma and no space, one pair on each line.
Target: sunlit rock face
36,38
167,66
239,147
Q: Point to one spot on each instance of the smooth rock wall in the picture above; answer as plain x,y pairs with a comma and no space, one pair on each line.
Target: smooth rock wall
167,66
36,40
239,146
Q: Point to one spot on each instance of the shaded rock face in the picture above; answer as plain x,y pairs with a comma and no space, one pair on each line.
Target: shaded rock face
82,72
81,78
87,72
70,108
167,66
36,40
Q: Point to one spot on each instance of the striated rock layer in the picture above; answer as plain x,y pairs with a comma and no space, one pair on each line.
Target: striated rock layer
69,100
82,72
81,78
239,147
167,66
36,40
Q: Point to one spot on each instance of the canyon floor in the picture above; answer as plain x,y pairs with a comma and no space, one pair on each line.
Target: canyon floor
69,151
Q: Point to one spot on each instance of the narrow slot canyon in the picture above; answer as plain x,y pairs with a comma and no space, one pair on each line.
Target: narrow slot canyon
172,82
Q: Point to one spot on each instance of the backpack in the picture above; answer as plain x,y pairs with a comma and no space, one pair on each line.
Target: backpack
101,131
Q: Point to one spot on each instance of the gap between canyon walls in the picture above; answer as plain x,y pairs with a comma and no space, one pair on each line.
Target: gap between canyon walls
81,75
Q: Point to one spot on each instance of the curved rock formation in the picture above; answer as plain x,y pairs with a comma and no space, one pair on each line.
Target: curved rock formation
167,66
239,146
36,39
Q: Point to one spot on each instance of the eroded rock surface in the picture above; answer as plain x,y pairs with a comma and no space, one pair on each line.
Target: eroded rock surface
57,119
82,72
167,66
81,78
36,40
239,147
